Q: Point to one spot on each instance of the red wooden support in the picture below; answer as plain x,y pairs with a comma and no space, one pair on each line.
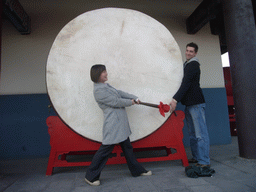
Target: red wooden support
64,141
230,100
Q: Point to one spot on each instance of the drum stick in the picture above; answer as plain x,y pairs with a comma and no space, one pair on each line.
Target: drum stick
149,104
153,105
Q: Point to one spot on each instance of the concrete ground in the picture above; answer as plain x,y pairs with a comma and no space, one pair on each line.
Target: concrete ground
233,174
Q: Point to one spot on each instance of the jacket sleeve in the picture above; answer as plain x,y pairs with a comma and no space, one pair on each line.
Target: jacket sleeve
126,95
190,72
106,97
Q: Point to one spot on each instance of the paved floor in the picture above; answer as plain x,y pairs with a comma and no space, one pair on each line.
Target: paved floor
233,173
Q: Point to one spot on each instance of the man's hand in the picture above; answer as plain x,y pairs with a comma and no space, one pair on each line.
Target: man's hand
173,104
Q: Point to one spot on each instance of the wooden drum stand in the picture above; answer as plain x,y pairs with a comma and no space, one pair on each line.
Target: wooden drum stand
65,142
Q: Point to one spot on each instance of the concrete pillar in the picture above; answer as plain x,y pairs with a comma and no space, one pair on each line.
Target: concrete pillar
241,42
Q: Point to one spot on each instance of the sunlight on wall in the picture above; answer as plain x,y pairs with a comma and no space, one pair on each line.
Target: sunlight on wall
225,60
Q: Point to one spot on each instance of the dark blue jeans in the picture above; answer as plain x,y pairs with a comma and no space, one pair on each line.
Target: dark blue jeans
101,157
198,133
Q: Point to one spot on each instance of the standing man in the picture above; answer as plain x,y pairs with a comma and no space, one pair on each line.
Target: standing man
190,94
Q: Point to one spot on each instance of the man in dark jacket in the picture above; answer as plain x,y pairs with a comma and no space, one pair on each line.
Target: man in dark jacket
190,94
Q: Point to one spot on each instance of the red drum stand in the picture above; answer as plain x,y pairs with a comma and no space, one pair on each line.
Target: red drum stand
65,142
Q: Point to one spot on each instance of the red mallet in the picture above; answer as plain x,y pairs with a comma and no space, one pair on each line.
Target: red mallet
163,108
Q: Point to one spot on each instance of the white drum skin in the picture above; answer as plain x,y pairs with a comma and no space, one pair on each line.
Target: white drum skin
141,57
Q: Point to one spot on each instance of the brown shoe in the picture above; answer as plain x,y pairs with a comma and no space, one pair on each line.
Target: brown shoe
192,161
201,165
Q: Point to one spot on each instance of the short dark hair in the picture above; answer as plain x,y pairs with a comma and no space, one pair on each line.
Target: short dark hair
96,71
193,45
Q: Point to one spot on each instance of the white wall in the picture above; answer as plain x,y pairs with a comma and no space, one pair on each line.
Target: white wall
24,57
209,53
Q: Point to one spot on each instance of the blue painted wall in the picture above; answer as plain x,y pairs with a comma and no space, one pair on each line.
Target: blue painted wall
23,129
24,133
217,118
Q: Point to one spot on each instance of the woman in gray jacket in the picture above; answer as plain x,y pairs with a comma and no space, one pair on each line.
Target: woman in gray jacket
116,129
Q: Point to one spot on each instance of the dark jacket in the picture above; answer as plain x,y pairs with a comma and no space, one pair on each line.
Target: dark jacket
190,92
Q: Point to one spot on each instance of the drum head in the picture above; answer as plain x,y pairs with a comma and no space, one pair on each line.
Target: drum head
141,57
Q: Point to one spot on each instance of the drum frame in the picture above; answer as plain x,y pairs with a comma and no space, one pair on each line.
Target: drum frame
64,142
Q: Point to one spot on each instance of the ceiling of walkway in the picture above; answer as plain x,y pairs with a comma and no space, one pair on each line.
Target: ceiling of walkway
196,12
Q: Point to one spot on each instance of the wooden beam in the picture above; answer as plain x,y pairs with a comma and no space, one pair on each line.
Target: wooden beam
205,12
241,42
1,13
254,9
218,28
13,10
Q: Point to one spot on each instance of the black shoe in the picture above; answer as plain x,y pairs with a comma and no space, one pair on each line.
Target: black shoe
201,165
192,161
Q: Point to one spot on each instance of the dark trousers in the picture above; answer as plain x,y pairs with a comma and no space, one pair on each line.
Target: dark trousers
101,157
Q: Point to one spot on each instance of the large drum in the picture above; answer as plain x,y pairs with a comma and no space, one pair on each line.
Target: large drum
141,57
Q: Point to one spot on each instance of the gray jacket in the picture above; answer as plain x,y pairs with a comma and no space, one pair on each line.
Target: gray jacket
113,102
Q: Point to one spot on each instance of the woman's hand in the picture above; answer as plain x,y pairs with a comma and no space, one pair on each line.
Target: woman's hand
136,102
